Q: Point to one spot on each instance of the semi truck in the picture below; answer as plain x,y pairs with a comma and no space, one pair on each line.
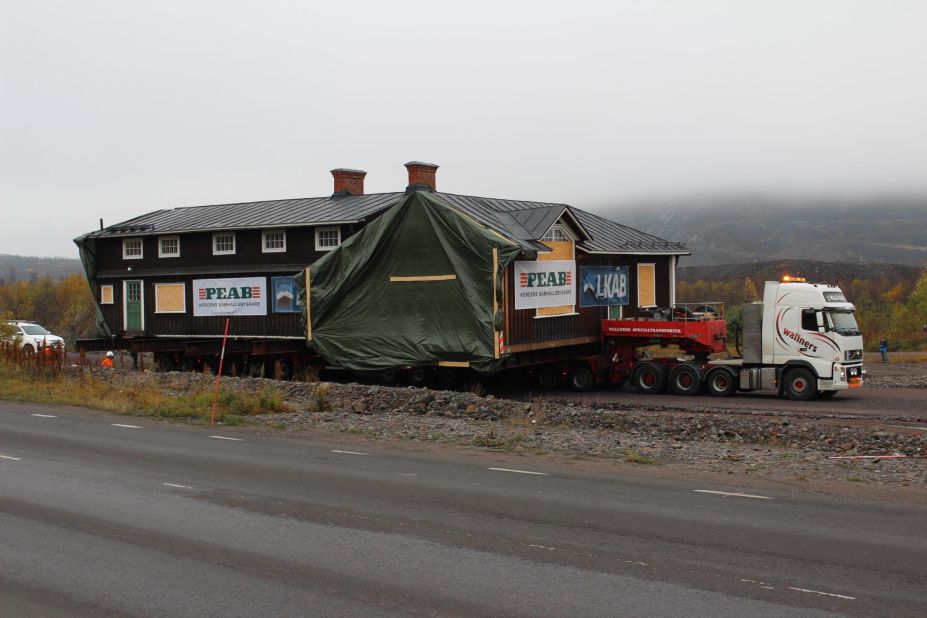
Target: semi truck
802,341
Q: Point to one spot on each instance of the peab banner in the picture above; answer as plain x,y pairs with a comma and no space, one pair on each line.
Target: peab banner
241,296
545,284
603,285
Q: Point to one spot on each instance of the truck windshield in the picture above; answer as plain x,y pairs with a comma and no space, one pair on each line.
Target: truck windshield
844,322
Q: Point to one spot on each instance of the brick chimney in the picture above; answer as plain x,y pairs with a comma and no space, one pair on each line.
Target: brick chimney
421,176
348,181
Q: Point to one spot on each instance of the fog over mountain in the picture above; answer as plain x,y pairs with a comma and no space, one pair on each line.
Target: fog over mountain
114,109
736,229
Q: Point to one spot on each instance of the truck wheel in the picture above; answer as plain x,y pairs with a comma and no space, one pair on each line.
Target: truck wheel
799,384
547,377
581,379
649,379
685,380
721,383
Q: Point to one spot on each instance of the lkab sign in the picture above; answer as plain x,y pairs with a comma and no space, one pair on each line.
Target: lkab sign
603,285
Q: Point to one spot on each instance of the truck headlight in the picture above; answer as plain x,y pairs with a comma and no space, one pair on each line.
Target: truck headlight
853,355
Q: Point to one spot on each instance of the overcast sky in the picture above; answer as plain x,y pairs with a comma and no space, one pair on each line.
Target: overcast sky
116,108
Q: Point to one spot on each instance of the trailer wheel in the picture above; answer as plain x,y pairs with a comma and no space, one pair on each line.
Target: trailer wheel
799,385
448,378
581,378
685,380
166,362
420,376
547,377
721,383
649,379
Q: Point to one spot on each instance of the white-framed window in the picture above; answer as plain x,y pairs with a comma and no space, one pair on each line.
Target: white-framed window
327,238
106,295
556,233
273,241
223,243
132,249
168,246
170,298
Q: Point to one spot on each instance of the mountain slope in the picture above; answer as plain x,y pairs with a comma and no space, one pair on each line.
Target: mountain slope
732,230
22,268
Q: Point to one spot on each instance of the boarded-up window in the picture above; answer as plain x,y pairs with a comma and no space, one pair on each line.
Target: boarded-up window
646,285
559,250
106,295
170,298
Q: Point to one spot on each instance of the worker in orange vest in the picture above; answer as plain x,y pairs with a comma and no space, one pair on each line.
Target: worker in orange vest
107,361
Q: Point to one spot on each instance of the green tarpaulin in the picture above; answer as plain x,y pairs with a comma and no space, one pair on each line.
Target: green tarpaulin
87,247
420,285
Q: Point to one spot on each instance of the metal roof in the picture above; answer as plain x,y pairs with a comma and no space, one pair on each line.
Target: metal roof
249,215
522,221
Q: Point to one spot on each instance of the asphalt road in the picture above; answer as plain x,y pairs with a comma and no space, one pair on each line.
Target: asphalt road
155,519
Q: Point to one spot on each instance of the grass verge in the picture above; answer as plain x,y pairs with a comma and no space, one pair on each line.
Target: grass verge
138,398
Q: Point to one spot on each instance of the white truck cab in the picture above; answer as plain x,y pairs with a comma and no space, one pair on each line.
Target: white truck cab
802,339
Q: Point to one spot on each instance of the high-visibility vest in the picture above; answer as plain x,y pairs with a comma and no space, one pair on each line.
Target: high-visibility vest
106,362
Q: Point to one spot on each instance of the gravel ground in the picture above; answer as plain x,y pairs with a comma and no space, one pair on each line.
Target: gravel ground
773,446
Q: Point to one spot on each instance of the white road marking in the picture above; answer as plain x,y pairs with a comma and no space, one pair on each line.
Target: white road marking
543,547
762,585
735,494
407,474
44,415
518,471
351,453
176,485
10,458
126,426
227,438
826,594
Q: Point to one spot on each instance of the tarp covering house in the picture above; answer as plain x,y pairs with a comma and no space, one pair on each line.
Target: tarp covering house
420,285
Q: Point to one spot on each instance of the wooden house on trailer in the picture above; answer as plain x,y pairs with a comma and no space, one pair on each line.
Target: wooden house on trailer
166,281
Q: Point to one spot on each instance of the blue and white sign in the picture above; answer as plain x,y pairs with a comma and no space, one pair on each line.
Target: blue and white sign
601,286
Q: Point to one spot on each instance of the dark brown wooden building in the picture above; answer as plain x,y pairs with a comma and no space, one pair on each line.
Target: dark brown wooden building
166,281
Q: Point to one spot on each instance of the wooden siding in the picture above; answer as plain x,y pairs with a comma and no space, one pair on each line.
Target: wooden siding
196,261
524,331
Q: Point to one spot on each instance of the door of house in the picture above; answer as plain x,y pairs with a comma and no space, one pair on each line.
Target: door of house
134,321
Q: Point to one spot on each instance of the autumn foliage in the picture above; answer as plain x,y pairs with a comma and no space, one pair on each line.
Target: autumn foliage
63,306
884,307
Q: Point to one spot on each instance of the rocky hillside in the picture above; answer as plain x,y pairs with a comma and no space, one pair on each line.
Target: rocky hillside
738,230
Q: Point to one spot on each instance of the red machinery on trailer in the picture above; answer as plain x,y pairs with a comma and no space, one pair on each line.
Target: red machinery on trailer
697,335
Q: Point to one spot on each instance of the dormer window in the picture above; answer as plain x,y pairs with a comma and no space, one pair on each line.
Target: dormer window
273,241
132,249
556,233
223,243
